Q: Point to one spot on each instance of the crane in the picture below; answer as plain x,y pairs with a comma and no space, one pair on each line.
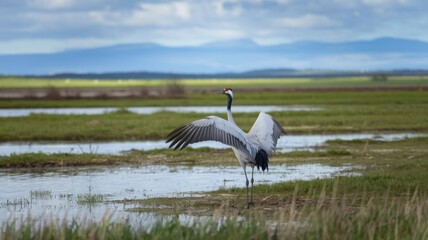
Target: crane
253,148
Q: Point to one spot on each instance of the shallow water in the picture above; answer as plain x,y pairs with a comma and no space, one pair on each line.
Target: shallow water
118,183
285,144
17,112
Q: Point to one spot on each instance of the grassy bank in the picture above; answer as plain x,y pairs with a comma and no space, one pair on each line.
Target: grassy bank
202,156
337,152
342,112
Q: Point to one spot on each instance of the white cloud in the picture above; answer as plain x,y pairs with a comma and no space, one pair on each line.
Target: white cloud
152,14
307,21
386,2
182,37
189,22
283,1
50,4
224,8
179,10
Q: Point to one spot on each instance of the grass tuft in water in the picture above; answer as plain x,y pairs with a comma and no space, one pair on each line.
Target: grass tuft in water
20,202
41,194
67,196
89,198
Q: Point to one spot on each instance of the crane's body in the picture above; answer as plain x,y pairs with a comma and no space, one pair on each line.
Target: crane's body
252,148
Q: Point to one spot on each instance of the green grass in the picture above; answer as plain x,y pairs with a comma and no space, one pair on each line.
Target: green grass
39,160
401,111
18,82
203,156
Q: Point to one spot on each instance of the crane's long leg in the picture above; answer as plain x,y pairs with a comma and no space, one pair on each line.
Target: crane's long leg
247,183
252,183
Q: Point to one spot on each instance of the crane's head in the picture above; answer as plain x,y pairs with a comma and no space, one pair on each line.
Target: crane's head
228,91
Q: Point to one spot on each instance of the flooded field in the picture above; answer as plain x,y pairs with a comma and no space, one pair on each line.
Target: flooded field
88,192
16,112
285,144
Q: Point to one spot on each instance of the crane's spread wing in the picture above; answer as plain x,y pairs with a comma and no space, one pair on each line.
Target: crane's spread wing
266,131
211,128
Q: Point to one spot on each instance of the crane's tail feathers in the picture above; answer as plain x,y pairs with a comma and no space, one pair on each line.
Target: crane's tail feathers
262,160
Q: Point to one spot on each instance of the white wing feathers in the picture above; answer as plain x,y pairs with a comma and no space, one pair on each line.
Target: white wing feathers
211,128
266,131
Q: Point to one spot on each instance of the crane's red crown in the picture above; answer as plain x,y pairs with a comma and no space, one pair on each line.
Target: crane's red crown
226,89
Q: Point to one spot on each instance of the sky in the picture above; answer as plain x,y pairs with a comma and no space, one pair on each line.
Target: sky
45,26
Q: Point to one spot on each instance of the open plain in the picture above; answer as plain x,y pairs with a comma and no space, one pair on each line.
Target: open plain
378,190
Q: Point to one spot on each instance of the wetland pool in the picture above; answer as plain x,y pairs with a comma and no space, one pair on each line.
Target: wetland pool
285,144
60,192
21,112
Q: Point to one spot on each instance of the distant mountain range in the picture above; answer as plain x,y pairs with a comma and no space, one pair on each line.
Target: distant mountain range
264,73
228,57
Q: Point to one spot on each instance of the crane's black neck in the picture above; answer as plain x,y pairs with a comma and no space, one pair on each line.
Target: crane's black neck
229,101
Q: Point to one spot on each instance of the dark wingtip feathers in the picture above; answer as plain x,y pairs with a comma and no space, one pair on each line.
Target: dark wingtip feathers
175,132
172,136
180,137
